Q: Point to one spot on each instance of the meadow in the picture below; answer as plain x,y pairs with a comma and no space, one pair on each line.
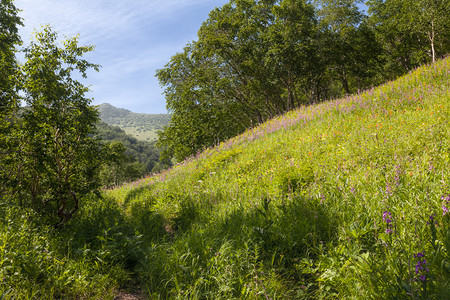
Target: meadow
344,199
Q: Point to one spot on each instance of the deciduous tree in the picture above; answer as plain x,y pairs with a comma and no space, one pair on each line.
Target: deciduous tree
58,154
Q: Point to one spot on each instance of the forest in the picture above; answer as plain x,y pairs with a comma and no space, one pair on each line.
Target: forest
311,141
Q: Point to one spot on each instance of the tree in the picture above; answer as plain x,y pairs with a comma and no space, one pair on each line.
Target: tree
118,166
411,32
58,156
246,67
9,39
350,48
9,97
432,21
202,114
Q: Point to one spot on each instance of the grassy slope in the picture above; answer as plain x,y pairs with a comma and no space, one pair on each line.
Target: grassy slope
295,207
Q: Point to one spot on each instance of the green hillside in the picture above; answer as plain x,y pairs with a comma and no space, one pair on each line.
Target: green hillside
344,199
139,125
347,199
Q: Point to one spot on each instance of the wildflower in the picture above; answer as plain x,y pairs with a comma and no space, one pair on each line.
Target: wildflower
421,266
432,219
387,218
446,204
388,190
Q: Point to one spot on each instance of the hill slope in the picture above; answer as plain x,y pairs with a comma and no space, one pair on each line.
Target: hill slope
142,126
343,199
347,199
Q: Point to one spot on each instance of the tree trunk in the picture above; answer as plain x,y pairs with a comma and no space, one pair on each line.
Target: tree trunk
431,36
345,83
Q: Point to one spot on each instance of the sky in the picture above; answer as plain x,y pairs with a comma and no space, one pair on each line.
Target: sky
133,38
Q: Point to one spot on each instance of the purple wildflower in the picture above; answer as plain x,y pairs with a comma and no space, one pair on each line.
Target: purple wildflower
446,204
432,219
387,218
421,266
388,190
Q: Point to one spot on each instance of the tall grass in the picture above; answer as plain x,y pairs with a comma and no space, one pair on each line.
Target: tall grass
344,199
335,200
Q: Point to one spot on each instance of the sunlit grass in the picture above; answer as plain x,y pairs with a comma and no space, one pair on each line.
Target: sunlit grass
343,199
328,173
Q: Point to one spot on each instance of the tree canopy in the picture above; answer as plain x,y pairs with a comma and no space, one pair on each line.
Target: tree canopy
256,59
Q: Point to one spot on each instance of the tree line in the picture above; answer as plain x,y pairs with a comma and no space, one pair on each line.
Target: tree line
256,59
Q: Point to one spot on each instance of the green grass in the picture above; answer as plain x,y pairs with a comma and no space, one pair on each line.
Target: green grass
343,199
296,205
142,134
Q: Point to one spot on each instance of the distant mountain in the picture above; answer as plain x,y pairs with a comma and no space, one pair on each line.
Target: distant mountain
139,125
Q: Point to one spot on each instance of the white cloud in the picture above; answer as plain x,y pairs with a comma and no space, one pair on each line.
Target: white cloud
96,20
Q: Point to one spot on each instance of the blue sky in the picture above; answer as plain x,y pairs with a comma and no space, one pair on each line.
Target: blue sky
133,39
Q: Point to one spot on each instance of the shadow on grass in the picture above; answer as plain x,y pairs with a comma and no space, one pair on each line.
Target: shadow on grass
268,238
291,230
102,226
136,194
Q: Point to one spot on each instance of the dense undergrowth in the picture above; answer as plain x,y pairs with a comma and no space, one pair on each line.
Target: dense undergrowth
345,199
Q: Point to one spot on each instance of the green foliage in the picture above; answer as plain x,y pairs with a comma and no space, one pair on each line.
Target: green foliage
118,167
9,98
9,39
294,179
238,74
350,48
52,157
35,265
410,32
126,158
